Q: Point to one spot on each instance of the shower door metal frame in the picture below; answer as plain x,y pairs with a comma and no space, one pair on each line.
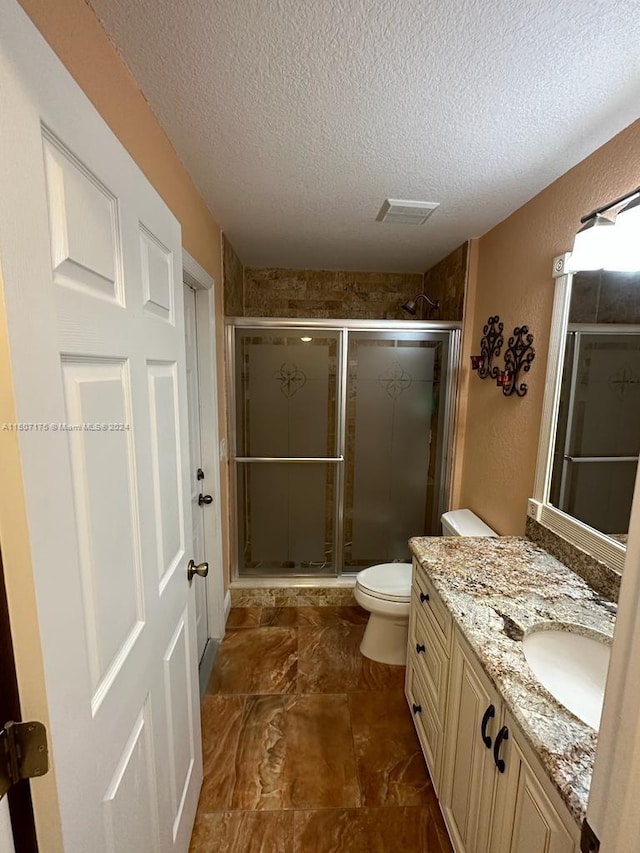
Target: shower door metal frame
452,328
575,333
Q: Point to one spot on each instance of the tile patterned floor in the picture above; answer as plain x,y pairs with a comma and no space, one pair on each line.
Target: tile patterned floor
308,746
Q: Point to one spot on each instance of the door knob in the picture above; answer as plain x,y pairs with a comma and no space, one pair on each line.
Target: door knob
202,569
205,499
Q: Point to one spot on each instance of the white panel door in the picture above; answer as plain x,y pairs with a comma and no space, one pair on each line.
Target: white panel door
91,268
197,477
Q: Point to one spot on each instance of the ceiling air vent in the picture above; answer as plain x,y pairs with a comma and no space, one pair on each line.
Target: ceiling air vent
406,212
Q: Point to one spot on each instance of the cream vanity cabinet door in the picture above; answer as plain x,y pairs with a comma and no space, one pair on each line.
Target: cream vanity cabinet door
529,816
469,771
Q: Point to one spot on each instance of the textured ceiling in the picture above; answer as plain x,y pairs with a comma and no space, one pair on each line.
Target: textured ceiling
297,118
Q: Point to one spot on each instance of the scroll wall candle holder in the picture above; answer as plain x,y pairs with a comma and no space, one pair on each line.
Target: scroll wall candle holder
490,348
517,358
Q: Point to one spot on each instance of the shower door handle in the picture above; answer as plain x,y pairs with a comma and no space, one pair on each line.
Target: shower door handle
323,459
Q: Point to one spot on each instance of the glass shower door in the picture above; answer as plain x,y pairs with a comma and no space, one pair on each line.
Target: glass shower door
598,438
287,460
394,449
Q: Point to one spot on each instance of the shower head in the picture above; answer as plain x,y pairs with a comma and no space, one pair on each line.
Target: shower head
412,305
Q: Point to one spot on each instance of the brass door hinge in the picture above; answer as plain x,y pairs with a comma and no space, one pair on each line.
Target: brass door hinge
23,753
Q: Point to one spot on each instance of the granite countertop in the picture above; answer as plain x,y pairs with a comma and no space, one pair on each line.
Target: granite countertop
497,589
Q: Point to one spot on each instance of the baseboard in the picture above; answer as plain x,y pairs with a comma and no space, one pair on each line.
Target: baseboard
206,665
227,605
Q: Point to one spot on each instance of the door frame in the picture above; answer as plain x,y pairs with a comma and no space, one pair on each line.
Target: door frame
205,291
19,797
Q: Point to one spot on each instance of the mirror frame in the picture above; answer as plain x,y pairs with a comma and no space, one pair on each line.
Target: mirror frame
587,538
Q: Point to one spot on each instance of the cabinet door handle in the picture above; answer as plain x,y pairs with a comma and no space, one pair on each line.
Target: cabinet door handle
488,714
503,734
417,709
424,596
420,647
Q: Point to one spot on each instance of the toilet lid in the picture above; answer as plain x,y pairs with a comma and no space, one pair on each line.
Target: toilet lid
387,580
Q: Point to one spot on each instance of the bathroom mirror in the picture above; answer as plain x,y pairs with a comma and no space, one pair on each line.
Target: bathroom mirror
590,434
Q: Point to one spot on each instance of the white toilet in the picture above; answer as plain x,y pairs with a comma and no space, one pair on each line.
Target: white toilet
385,591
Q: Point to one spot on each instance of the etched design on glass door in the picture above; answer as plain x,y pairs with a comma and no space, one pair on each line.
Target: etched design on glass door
395,380
624,381
291,379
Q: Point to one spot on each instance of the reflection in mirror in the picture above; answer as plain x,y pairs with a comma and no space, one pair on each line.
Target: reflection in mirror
598,433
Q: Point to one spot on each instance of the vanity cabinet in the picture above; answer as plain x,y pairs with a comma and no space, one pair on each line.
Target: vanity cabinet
494,794
426,686
529,816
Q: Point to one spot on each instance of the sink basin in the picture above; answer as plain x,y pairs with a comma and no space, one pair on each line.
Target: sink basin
573,668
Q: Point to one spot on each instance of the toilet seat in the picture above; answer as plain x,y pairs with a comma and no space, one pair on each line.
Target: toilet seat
387,581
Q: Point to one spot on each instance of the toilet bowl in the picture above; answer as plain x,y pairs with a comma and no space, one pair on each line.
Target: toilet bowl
385,591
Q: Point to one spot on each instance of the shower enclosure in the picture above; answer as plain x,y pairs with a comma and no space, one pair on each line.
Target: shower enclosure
341,436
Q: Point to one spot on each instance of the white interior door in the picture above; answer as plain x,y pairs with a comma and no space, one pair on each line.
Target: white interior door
91,266
197,478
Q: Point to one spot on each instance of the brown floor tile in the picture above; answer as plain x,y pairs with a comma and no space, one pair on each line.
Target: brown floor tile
391,768
221,719
260,755
329,661
317,616
243,832
334,766
307,617
295,752
244,617
283,617
256,660
320,765
389,830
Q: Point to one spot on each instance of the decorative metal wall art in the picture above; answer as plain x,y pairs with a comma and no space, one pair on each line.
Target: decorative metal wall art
517,357
490,348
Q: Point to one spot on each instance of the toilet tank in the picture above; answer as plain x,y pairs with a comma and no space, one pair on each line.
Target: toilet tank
463,522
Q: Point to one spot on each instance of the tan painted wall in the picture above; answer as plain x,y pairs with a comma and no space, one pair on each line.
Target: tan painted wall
233,272
513,279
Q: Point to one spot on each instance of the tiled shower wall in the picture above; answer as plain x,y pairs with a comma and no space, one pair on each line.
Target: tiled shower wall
339,294
446,281
233,273
328,293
